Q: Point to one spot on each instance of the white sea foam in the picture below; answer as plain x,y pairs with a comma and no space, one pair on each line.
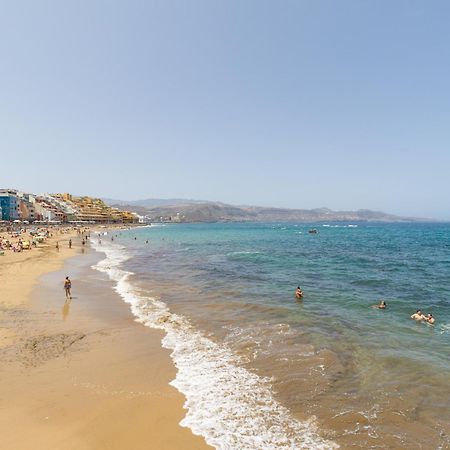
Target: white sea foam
244,253
229,406
340,226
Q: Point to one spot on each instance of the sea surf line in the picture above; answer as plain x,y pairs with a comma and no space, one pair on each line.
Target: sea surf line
231,407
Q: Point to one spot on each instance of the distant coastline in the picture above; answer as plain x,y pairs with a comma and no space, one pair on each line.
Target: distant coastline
23,207
196,211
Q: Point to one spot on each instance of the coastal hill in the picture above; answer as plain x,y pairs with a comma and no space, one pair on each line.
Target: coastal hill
180,210
151,202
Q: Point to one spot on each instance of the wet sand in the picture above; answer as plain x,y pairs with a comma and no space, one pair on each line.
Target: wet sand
81,375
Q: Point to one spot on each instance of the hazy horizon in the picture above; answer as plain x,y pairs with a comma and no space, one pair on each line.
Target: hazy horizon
256,205
296,104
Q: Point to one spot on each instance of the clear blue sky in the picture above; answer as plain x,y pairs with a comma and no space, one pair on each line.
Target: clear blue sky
344,104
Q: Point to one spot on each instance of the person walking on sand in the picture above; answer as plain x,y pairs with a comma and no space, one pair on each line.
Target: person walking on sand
67,287
57,246
70,243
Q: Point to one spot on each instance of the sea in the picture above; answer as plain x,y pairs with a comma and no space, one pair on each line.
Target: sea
262,370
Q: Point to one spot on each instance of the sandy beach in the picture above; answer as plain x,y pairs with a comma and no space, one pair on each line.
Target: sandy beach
80,374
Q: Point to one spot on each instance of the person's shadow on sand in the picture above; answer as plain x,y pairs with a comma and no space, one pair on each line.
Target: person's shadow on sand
66,309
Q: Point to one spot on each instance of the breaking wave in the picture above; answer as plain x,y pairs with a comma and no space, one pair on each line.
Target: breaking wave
229,406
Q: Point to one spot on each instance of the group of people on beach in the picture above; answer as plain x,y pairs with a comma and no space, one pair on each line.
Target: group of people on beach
17,247
23,238
85,234
18,239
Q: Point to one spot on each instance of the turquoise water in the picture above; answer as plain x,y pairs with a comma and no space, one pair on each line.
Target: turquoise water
372,378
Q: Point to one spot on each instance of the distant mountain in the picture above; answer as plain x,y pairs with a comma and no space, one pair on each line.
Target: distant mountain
183,210
151,202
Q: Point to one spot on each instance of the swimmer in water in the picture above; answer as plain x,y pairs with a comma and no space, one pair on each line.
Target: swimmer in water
298,292
382,305
429,318
418,315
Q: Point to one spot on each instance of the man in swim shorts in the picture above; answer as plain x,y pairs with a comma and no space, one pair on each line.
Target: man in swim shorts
418,315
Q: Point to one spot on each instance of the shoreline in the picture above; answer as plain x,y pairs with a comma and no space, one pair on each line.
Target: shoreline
243,411
332,373
82,374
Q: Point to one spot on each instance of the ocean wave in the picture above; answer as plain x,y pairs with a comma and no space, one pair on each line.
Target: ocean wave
244,253
229,406
339,226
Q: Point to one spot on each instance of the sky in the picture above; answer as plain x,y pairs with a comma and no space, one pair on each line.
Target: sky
301,104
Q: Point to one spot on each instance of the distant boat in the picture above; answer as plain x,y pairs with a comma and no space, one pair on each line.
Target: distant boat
312,231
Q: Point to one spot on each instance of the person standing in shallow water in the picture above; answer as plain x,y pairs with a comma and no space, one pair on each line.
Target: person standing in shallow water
418,315
67,288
